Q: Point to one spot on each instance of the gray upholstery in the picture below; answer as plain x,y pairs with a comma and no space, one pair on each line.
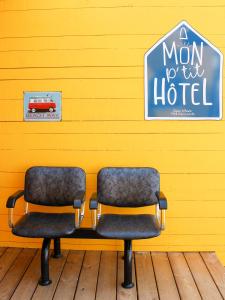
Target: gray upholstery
49,225
127,187
54,186
128,227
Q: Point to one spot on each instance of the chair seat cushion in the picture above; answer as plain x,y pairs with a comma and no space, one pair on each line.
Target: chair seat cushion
128,227
49,225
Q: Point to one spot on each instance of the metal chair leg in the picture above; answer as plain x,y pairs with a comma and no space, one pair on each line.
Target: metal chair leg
127,284
44,280
57,249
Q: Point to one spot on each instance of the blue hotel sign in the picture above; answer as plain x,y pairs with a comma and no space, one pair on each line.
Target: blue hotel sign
183,77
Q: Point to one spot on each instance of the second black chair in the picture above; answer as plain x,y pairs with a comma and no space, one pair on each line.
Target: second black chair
128,187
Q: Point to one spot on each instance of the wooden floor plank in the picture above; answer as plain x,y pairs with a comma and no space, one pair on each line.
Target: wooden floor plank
216,270
2,250
147,288
15,273
29,282
55,269
70,275
88,278
203,279
125,294
106,288
164,276
7,259
185,282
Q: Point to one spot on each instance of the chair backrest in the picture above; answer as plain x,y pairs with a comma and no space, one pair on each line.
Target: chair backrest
127,187
53,186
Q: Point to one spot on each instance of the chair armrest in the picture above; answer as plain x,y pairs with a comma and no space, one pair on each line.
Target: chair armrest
79,205
11,202
162,206
162,201
79,199
93,204
95,208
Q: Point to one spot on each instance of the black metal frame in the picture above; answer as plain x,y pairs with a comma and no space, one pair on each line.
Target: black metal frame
127,284
89,233
57,248
44,280
83,233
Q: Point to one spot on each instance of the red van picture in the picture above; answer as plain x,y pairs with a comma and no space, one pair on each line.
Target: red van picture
41,104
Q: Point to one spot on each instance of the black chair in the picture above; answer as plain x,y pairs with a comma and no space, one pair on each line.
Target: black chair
128,187
49,186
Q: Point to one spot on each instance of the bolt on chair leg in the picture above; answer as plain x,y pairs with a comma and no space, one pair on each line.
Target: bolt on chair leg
127,284
57,248
44,280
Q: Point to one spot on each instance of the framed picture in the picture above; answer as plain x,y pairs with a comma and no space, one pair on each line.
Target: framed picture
42,106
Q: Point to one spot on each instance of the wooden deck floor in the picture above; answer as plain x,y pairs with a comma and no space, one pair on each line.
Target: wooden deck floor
98,275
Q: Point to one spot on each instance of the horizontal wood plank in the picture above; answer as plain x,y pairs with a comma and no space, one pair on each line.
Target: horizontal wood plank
111,126
109,21
194,162
85,43
92,4
113,142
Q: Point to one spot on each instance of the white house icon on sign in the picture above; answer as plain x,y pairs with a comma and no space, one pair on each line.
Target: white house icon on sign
183,34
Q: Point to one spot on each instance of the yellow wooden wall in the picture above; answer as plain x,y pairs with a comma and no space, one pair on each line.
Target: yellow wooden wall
93,51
